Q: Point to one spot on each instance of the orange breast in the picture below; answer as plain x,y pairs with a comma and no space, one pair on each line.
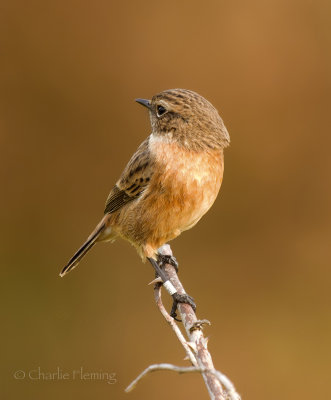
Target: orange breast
183,187
186,184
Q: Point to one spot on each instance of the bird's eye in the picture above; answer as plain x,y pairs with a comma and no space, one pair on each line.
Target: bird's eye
160,110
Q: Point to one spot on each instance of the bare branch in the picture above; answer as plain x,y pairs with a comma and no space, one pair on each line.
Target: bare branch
174,326
161,367
198,343
232,395
196,346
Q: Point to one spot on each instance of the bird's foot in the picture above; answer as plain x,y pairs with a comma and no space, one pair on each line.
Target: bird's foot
160,273
181,298
167,259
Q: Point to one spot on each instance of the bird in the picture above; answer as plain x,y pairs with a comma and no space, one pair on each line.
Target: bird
170,182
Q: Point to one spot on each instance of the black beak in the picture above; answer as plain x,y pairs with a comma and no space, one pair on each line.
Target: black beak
145,103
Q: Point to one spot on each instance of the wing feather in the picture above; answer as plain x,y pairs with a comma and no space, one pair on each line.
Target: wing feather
133,181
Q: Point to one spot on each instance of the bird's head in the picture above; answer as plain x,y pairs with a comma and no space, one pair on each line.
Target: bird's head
188,118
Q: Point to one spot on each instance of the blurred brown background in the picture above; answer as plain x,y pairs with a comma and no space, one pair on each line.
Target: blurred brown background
258,264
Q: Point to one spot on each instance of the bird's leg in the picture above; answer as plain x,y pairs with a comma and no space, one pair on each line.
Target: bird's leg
158,270
177,298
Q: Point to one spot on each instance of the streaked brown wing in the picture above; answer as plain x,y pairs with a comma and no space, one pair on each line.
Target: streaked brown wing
133,180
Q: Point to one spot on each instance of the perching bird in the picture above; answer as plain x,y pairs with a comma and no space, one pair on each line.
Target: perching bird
169,183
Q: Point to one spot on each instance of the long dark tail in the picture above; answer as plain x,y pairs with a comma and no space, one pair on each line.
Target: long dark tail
90,242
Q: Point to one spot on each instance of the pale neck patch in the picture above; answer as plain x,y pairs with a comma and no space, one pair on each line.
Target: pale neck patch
158,139
164,147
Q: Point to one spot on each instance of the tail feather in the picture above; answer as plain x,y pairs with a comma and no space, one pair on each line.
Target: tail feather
90,242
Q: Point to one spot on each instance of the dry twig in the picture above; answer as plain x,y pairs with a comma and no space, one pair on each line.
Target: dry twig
195,347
